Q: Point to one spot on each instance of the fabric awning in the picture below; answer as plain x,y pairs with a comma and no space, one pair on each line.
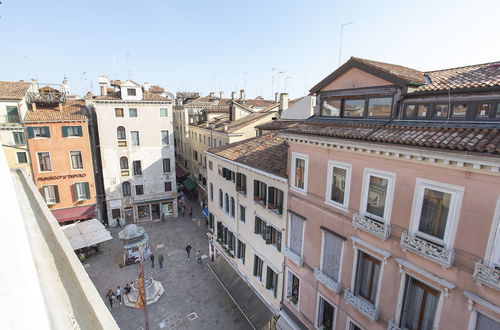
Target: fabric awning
205,212
75,213
86,233
179,172
252,306
189,184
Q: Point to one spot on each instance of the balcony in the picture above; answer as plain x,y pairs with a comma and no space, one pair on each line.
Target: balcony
299,260
376,228
488,276
427,249
364,307
326,280
391,325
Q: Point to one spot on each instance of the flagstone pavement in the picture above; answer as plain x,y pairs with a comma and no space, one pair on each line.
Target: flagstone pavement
193,297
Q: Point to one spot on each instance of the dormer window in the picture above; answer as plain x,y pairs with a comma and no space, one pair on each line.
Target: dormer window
131,92
359,107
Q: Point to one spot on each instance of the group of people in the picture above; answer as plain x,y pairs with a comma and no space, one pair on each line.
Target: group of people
160,260
198,254
112,295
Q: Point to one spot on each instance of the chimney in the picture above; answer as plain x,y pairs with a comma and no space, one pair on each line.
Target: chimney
33,106
212,95
221,94
283,101
242,94
276,97
103,84
60,107
233,95
145,86
225,127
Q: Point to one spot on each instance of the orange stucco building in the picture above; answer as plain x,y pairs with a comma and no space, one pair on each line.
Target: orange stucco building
61,158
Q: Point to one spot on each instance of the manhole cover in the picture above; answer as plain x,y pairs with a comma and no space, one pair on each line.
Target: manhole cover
192,316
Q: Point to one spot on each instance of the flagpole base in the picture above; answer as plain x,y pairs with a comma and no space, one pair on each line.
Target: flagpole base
153,293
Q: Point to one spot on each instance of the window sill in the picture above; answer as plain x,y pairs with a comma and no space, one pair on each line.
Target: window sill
371,226
364,307
298,190
427,249
298,260
295,305
326,280
337,205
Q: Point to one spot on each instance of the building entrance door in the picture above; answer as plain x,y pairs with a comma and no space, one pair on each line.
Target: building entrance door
155,211
129,215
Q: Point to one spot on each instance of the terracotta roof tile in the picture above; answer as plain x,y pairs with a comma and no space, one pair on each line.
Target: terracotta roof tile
278,125
71,110
408,74
268,153
13,90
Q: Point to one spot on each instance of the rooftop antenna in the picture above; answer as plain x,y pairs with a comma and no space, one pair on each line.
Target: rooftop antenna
272,85
279,77
342,26
286,83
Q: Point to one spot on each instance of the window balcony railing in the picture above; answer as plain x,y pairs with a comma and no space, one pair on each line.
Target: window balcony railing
391,325
326,280
299,260
486,275
427,249
364,307
376,228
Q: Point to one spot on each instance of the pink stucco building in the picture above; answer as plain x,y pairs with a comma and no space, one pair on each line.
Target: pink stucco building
394,201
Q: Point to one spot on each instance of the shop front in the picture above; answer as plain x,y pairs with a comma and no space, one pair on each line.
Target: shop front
155,210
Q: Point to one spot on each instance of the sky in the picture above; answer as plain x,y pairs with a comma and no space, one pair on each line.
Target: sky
224,45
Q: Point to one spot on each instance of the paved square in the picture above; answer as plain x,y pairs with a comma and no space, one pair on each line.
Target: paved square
190,289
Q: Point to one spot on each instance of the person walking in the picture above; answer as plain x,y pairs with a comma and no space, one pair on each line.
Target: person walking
118,224
198,257
127,288
110,296
119,294
183,209
190,212
152,257
188,250
160,260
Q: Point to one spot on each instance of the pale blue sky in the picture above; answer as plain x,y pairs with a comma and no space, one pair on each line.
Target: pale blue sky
201,45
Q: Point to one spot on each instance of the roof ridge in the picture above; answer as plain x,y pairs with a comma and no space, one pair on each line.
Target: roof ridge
464,66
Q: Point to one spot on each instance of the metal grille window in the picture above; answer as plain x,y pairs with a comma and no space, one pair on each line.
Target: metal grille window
332,254
295,232
44,161
168,186
76,160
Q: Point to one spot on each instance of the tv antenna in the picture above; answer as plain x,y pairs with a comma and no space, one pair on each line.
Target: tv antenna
342,26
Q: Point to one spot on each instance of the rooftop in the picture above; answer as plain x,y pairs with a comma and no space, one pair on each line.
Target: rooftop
70,110
276,125
13,90
148,96
268,153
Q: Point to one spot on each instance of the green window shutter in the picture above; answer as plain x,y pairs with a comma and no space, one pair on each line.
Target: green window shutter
56,192
64,131
255,262
269,237
87,190
270,199
79,129
256,227
31,133
268,278
47,131
278,241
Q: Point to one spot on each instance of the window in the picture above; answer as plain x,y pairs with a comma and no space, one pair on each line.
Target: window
485,110
273,236
143,212
367,275
21,157
354,108
354,326
166,165
492,257
377,195
50,194
118,112
441,111
137,168
44,163
221,200
131,92
226,202
295,234
275,200
168,186
436,209
38,132
68,131
299,172
19,138
241,251
331,108
293,289
331,256
272,281
259,191
135,138
82,191
126,191
459,111
242,213
379,107
484,322
120,133
419,305
211,191
338,184
241,183
416,111
210,165
139,189
132,112
233,207
165,139
115,213
123,163
326,314
12,114
260,227
76,160
163,112
228,174
258,264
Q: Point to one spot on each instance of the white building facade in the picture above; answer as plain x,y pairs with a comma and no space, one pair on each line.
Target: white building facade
137,152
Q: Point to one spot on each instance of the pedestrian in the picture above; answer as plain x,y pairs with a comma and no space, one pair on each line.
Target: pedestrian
110,296
118,224
160,260
152,257
188,250
190,212
198,257
119,294
127,288
183,211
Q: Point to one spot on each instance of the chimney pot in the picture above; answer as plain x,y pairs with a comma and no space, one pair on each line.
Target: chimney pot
212,95
221,94
233,95
283,101
145,86
33,106
276,97
242,94
225,127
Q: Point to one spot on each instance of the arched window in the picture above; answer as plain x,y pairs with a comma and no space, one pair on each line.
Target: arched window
233,211
221,201
126,189
120,133
123,163
211,191
226,200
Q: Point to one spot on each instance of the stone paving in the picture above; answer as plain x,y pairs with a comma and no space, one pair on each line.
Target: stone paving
193,297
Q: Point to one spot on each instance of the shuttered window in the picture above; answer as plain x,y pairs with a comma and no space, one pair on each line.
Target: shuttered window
296,229
272,281
332,253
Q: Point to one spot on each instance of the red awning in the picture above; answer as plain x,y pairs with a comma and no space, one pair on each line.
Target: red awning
179,172
75,213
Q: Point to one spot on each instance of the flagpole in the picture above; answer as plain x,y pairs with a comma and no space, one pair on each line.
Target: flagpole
146,315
